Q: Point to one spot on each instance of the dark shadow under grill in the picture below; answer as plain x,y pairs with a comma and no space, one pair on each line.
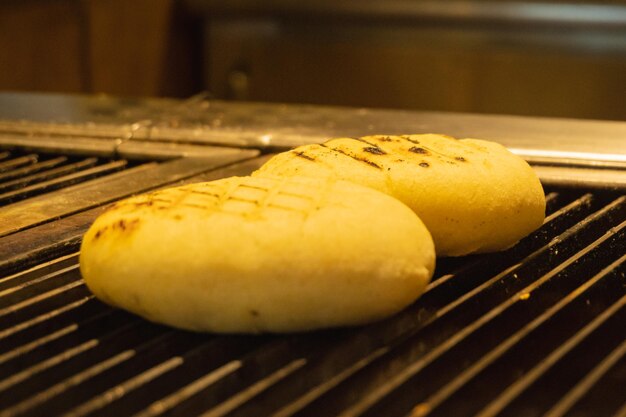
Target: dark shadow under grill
535,330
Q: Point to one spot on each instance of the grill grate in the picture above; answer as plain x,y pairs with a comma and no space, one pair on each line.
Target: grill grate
27,174
536,330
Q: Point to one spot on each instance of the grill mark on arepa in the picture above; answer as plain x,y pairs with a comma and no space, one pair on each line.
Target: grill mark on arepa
301,154
375,150
267,201
450,157
194,205
425,150
207,193
372,148
417,149
409,139
384,138
210,202
355,157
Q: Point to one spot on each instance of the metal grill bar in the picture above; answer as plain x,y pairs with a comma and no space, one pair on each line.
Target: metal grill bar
136,342
206,358
17,162
32,169
64,181
48,175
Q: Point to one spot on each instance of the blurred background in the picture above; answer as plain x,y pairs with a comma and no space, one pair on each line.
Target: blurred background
563,58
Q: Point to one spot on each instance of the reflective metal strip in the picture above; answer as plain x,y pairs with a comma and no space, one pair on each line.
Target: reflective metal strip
170,401
254,389
43,317
40,267
15,307
75,380
329,384
48,363
66,180
48,175
31,169
118,391
17,162
34,344
37,280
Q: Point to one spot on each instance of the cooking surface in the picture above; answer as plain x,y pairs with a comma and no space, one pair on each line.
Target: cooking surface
535,330
539,327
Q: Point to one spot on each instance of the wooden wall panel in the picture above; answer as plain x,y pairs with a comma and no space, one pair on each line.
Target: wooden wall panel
121,47
128,41
41,46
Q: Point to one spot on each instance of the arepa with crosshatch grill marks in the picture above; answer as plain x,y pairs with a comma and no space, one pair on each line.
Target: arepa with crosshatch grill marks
473,195
248,254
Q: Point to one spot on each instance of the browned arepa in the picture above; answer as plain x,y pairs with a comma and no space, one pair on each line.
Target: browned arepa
259,254
473,195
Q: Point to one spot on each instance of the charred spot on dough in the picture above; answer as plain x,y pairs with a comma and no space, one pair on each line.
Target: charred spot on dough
100,233
254,313
301,154
371,163
375,150
243,200
417,149
460,159
125,225
148,203
372,147
424,164
358,158
384,139
410,139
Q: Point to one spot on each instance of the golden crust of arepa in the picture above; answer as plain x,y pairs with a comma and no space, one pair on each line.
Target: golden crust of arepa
259,254
473,195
